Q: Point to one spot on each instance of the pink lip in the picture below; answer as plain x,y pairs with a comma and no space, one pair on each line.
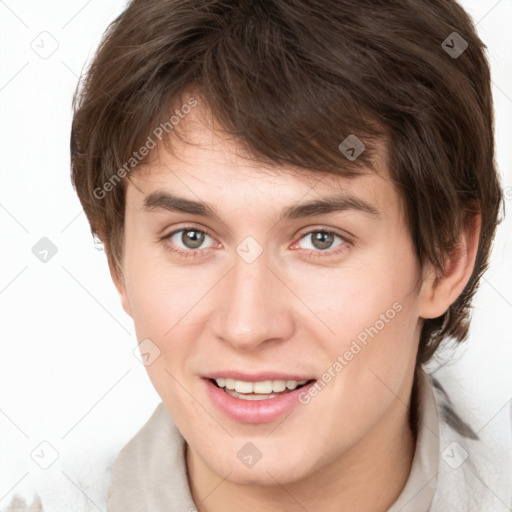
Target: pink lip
255,377
255,411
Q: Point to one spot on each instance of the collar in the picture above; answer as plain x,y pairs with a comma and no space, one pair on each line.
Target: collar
420,488
150,471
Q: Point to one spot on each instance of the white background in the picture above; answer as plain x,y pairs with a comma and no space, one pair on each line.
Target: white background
68,375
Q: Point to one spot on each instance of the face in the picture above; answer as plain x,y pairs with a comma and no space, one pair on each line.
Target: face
259,294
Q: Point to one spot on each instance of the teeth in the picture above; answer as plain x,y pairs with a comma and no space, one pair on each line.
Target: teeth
250,396
243,387
278,385
230,383
265,387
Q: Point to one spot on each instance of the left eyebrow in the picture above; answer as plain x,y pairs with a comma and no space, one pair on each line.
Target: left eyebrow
331,204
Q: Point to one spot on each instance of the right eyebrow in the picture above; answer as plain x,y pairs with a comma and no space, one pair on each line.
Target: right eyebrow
164,201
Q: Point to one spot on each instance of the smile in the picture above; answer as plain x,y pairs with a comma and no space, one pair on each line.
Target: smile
255,402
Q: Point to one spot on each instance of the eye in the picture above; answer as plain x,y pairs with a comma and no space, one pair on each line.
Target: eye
188,241
322,240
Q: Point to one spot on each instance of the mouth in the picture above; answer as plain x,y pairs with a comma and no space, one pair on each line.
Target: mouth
258,397
261,390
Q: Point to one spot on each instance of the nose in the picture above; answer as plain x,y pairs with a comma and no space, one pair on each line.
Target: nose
253,306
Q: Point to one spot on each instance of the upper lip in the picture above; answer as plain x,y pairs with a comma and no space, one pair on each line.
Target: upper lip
256,377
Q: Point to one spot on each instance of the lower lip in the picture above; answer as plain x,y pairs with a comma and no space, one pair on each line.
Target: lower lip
255,411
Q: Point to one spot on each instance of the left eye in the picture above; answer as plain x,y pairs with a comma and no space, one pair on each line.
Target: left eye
322,240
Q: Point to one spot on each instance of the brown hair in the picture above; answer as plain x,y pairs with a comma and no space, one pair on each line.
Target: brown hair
292,79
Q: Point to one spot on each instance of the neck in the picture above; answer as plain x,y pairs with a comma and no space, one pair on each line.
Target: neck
383,457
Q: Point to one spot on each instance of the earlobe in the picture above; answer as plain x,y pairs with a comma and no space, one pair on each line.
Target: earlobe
438,292
121,288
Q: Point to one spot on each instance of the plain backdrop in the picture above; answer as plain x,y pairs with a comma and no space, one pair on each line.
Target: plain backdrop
68,375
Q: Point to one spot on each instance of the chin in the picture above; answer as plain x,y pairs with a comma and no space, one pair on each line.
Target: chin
261,477
264,472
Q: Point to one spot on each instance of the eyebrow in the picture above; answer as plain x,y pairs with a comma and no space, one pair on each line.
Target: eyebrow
337,203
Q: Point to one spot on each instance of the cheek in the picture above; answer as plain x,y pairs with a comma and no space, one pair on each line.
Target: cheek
361,297
167,309
372,312
155,290
166,301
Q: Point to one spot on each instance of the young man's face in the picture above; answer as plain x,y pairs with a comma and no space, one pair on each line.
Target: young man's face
266,297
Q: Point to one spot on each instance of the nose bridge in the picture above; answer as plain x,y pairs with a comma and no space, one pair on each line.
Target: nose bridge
253,302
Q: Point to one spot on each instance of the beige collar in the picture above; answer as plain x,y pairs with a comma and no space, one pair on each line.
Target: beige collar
419,490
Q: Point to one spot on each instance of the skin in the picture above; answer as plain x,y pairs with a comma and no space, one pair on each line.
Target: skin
351,446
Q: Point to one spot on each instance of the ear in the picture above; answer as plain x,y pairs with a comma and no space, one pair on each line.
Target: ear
438,293
121,288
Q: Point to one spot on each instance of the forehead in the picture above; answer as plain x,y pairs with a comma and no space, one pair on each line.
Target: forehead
203,160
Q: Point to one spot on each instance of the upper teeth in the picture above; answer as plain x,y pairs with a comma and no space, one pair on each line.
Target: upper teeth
266,386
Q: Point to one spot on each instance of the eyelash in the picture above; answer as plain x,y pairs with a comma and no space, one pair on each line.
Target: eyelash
311,254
